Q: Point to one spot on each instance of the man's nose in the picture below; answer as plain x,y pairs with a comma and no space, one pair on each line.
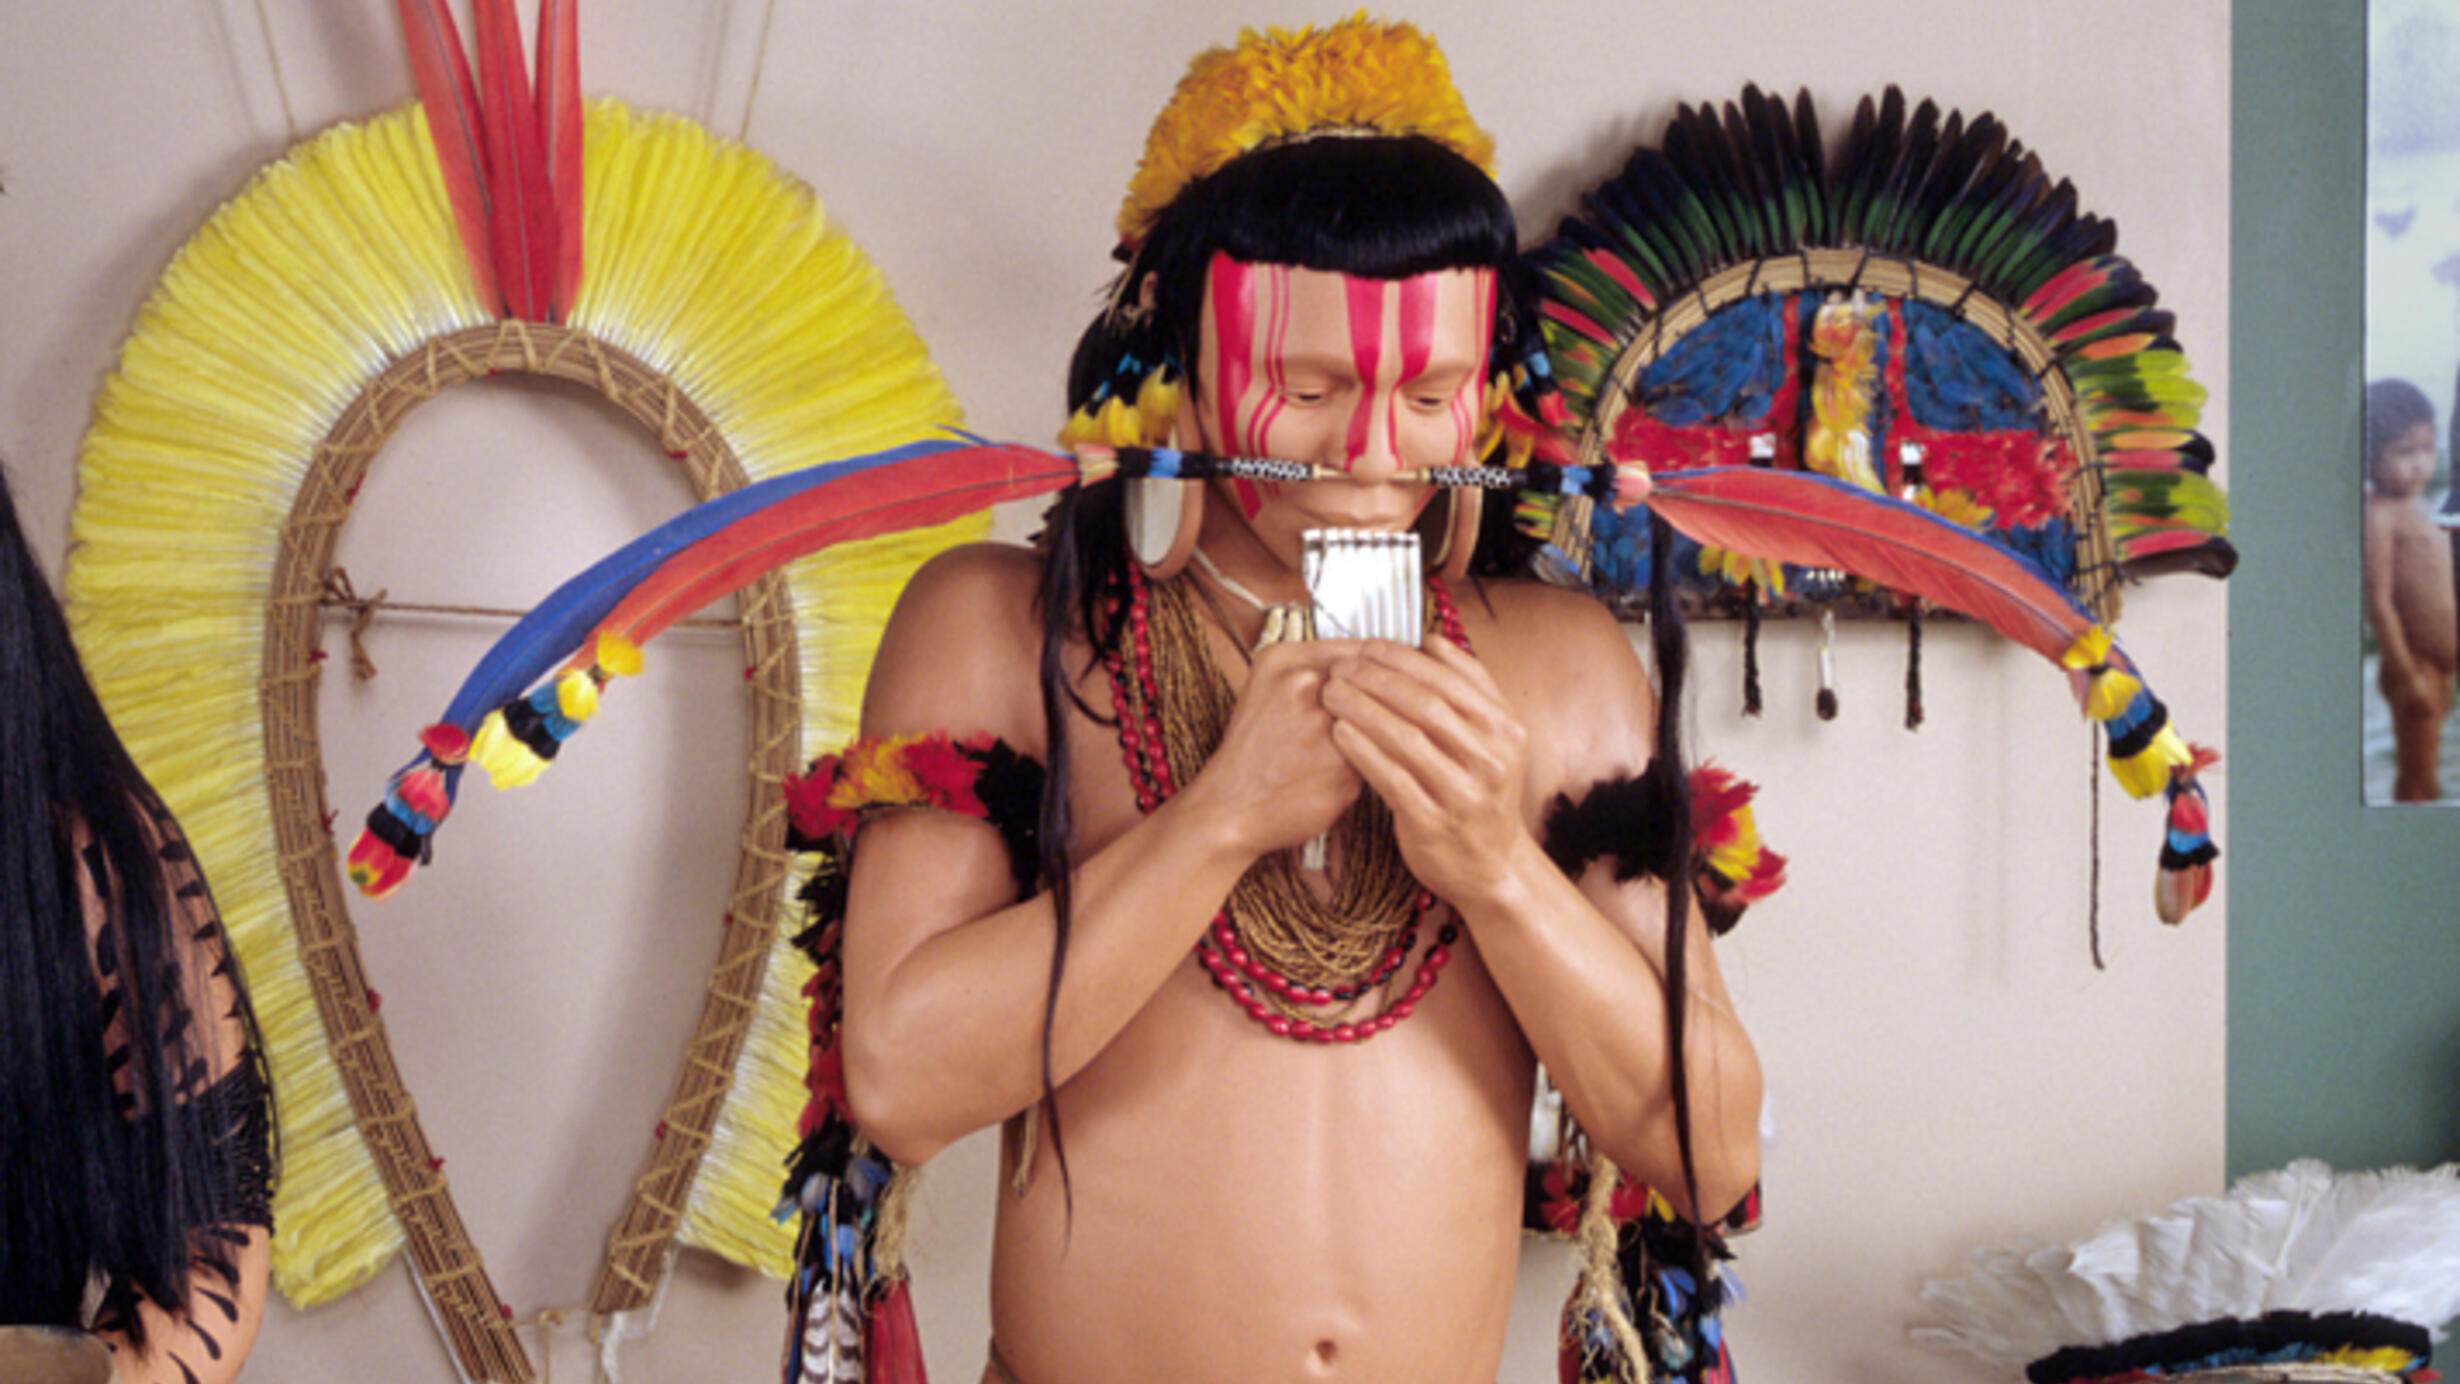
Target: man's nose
1373,459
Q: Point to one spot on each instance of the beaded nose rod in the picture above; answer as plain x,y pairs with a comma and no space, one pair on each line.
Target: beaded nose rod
1605,483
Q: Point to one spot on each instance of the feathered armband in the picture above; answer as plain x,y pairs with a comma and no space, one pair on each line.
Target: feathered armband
1631,822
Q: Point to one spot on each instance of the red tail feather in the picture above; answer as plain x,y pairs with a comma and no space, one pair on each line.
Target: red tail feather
456,130
1808,520
522,230
559,117
2070,283
885,499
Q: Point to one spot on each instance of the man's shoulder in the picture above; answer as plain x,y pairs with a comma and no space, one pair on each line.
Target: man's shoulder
975,590
1567,665
963,649
1551,631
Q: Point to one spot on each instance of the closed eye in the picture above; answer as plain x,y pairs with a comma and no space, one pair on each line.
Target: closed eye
1434,395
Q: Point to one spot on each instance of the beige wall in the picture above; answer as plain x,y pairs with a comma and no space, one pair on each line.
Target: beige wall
1945,1066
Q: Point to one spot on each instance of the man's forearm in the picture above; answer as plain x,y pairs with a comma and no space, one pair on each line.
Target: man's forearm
1592,999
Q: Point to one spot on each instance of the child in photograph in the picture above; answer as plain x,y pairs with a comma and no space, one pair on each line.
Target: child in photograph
2409,591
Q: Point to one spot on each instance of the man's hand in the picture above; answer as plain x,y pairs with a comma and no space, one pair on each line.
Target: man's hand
1430,731
1277,772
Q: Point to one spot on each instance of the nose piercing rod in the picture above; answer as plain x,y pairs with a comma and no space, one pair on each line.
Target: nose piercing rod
1607,483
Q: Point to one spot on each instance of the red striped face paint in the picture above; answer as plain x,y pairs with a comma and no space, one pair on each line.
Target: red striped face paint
1361,375
1467,408
1267,408
1250,495
1233,294
1243,404
1366,308
1416,323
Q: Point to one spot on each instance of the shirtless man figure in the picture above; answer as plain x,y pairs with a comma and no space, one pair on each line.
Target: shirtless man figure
1214,1182
2409,595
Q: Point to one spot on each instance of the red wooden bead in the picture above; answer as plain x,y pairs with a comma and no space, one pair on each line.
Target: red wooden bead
1300,1028
1345,1033
1405,1008
1279,1026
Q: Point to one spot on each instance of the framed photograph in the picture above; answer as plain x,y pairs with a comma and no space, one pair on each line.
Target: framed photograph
2411,741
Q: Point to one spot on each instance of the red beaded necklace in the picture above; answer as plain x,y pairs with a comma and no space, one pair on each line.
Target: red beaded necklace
1266,995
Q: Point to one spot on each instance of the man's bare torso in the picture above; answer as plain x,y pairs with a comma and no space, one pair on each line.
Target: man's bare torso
1247,1208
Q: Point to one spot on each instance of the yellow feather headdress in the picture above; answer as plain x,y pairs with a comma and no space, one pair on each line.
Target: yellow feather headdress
1361,75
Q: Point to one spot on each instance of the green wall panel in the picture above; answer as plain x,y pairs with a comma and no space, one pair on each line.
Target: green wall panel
2344,968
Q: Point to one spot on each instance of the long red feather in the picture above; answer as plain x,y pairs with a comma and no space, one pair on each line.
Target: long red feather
456,129
1812,521
559,116
889,499
522,230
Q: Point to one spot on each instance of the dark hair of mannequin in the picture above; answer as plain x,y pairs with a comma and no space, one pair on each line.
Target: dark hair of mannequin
1369,206
88,1189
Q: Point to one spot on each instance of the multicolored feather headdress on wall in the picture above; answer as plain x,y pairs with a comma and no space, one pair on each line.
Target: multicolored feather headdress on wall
1923,338
1929,316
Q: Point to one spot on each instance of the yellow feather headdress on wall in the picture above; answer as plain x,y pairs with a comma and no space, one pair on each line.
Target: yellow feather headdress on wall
720,308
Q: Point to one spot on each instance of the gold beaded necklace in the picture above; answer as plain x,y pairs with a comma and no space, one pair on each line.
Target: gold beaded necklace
1312,939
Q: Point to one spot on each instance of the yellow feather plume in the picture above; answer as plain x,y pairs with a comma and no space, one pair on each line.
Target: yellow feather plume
1839,439
2147,771
2091,649
508,762
2109,693
1358,75
576,695
616,656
